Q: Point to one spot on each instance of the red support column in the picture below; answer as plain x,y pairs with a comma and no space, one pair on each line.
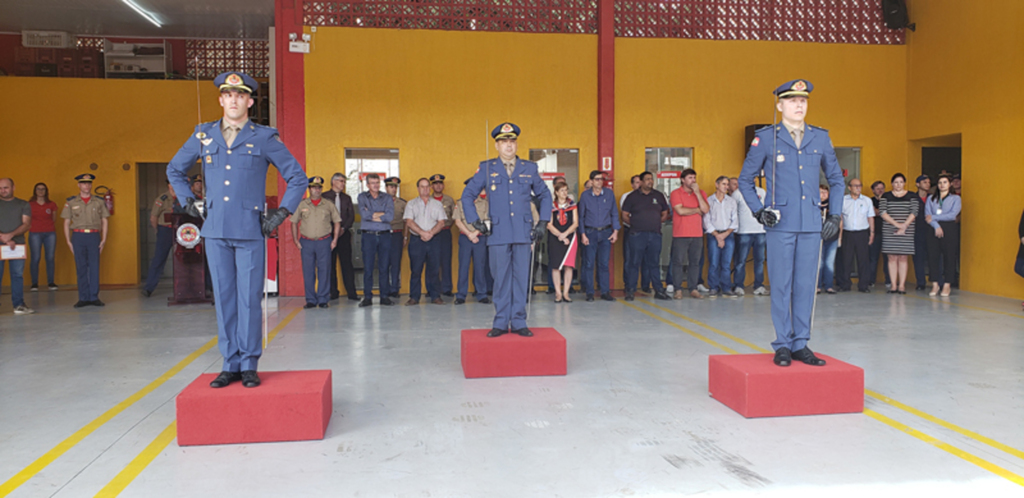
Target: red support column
291,123
606,98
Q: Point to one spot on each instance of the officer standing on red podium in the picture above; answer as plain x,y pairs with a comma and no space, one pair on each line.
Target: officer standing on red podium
235,155
513,231
791,154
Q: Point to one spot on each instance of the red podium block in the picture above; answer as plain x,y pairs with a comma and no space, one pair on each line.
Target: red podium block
753,386
287,406
512,355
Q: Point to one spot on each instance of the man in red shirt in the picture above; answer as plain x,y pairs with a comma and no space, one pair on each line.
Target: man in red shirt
689,204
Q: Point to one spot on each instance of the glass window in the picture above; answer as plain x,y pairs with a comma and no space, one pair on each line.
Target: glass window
360,162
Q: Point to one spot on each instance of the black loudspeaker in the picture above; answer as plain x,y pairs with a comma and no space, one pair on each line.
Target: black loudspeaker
894,12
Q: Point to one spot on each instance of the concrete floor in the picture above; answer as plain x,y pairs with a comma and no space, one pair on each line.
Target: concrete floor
632,417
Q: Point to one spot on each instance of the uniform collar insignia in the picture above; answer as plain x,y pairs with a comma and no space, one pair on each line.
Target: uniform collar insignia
200,135
207,141
494,174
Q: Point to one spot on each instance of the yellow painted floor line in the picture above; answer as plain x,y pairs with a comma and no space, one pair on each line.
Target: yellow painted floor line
885,399
953,450
968,306
684,329
40,463
722,333
158,445
907,408
128,474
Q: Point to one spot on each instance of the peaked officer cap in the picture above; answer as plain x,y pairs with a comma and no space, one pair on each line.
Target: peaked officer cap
504,131
85,178
795,88
233,80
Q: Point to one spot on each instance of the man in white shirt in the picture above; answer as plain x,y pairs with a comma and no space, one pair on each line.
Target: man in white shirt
749,236
858,233
720,222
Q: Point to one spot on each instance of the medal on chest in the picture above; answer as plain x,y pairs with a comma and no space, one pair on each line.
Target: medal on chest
780,158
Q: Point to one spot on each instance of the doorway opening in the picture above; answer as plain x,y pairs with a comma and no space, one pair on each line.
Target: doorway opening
360,162
151,184
553,164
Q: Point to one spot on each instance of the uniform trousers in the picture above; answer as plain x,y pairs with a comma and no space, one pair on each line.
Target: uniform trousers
87,264
444,238
342,255
316,267
511,267
394,270
239,271
793,267
164,243
421,253
477,255
596,253
376,252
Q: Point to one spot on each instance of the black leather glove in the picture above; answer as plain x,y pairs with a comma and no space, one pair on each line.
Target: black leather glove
539,230
481,227
766,217
272,219
830,228
194,208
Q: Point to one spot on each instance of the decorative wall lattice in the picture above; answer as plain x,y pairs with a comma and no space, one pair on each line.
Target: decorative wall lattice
824,21
209,58
526,16
89,43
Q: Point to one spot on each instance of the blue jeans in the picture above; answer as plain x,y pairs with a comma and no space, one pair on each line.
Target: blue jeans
597,252
45,241
718,263
744,243
17,280
828,265
376,252
645,260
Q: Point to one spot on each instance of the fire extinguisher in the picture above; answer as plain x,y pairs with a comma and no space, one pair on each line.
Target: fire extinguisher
108,197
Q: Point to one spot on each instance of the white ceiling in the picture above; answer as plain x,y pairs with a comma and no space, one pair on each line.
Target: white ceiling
180,18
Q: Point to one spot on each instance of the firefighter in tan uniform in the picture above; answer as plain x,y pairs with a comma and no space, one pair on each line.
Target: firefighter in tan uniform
445,235
316,226
85,228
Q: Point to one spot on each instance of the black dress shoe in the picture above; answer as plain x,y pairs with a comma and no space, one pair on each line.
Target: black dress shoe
250,378
495,332
365,302
663,296
394,295
607,297
97,303
353,297
525,332
866,291
225,378
384,301
147,293
485,300
308,306
459,300
629,296
783,357
323,306
590,298
448,294
807,356
335,297
82,304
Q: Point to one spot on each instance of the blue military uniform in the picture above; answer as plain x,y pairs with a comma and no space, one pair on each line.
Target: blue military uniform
794,243
511,227
236,184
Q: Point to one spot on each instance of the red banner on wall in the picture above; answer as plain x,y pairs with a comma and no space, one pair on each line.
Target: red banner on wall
670,174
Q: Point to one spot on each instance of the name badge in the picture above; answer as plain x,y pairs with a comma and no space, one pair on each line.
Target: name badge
780,158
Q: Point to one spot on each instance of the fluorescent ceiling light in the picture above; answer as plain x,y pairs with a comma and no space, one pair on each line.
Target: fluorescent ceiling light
147,15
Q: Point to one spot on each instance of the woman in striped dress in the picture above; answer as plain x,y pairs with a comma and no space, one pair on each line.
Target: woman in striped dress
562,242
898,209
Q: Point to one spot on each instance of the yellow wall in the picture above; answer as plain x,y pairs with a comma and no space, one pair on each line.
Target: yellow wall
965,65
702,94
435,95
53,128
